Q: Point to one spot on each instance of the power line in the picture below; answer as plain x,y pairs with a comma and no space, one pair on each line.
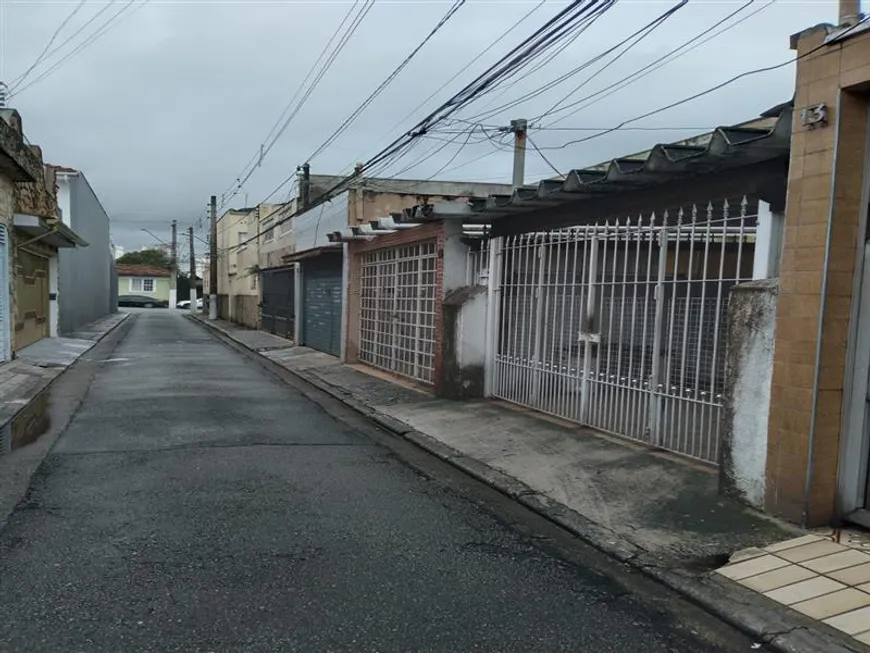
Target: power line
581,28
93,37
57,32
257,158
344,39
105,8
651,67
464,68
542,155
639,34
703,93
457,5
519,56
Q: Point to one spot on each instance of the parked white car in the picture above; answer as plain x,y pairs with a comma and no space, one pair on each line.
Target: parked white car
185,303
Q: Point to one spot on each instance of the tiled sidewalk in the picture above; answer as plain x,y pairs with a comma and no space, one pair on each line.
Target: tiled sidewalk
825,577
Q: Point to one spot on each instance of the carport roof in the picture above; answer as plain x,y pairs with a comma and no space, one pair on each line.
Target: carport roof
766,139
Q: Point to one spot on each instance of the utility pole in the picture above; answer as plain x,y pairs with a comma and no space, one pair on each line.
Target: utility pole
173,267
519,128
212,262
192,283
305,186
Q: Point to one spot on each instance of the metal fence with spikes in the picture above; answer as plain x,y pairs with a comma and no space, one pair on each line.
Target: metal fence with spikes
620,325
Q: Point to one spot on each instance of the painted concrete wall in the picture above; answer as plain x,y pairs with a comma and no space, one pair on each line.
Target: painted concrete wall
748,376
84,273
161,288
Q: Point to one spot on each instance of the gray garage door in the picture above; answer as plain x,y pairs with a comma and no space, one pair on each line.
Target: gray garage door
321,304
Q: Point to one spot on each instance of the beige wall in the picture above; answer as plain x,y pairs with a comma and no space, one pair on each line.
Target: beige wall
281,243
813,174
235,263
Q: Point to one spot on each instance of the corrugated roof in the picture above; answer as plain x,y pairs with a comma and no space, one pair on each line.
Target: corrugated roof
723,149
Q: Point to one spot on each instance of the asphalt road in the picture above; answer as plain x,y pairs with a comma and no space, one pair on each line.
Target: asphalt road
195,502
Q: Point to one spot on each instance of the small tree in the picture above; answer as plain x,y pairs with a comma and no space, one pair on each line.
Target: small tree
153,257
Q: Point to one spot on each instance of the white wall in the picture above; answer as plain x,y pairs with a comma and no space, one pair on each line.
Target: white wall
748,377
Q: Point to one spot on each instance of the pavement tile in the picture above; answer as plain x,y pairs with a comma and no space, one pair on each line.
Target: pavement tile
833,604
777,578
852,575
837,561
863,637
752,567
790,544
804,590
853,622
810,551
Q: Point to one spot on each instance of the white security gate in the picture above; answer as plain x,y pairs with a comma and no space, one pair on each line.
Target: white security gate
621,325
397,310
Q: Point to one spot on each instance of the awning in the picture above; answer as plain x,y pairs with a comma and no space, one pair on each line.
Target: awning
311,253
52,233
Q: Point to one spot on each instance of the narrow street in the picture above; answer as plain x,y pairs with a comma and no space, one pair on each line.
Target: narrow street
195,502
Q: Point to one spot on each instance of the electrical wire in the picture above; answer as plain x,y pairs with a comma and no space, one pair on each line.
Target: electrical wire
581,28
543,156
344,39
457,5
93,37
21,78
712,89
69,39
651,67
519,56
477,58
256,158
639,34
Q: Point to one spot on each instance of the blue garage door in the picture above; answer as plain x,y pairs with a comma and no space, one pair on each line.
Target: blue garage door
321,304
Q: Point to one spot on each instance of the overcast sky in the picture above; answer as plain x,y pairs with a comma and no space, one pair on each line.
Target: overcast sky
175,98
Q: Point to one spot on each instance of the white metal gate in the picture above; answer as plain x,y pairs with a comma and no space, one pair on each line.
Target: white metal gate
620,325
397,310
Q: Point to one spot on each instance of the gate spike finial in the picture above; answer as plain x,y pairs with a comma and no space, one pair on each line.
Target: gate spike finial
725,208
744,205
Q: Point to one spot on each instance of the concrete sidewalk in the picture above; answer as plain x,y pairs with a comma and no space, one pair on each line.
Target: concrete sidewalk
37,365
660,514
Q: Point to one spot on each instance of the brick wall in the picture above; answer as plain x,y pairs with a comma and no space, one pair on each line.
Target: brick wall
356,250
813,173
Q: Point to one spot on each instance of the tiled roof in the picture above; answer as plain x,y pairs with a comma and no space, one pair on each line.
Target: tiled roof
141,271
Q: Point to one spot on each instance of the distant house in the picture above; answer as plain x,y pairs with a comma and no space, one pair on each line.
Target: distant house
143,280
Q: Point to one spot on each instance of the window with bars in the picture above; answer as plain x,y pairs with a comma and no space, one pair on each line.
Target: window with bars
140,284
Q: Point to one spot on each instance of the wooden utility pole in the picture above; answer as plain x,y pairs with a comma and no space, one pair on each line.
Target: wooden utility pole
173,267
192,283
212,262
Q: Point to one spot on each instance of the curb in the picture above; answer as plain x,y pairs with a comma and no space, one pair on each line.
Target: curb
781,630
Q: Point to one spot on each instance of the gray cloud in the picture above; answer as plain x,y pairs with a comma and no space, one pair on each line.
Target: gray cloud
167,107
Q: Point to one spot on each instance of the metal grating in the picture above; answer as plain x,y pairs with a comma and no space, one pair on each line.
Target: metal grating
621,325
397,310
